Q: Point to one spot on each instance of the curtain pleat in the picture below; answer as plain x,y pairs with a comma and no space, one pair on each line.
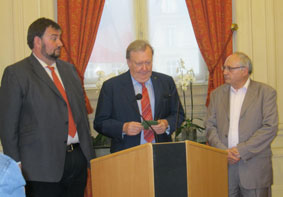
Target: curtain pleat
79,20
211,21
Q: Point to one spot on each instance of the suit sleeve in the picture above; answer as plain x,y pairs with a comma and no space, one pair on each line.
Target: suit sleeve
103,122
263,136
211,124
10,109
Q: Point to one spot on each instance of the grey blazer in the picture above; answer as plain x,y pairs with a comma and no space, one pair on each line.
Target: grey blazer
34,118
258,126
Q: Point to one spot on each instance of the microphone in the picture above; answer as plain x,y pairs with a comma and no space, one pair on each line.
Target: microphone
139,97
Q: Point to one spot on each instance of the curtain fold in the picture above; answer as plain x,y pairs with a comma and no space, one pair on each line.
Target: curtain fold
79,20
211,21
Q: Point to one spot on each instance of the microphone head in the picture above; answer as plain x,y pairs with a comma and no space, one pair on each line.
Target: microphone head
139,96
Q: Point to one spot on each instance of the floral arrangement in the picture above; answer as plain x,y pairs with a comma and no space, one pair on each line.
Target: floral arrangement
101,78
185,80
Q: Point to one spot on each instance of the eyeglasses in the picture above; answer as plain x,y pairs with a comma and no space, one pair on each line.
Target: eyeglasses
139,64
229,68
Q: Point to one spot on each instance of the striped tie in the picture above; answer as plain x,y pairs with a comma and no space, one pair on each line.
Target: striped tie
72,125
146,113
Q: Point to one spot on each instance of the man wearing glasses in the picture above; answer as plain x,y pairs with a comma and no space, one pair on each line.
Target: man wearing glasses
137,95
242,118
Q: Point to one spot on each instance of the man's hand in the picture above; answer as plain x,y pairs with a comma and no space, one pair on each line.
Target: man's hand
132,128
161,127
233,155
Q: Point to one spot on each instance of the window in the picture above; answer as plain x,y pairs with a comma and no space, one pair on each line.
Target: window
164,23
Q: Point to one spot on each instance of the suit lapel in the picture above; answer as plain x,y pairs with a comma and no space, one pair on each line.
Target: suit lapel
129,92
249,98
65,77
70,88
226,101
157,94
41,73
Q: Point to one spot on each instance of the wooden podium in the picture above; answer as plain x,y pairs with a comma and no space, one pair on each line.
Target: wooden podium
164,169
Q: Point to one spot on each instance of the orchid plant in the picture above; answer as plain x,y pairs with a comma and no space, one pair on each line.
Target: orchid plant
101,78
185,80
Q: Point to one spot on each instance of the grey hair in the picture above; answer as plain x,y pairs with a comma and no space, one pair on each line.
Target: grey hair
138,45
245,61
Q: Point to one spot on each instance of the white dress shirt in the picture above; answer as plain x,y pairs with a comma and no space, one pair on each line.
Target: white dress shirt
236,102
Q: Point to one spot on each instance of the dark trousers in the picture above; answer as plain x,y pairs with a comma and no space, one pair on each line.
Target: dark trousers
72,184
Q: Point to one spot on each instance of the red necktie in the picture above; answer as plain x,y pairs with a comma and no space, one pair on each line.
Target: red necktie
146,113
72,124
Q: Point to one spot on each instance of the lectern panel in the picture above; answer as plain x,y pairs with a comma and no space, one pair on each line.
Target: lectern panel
170,173
161,170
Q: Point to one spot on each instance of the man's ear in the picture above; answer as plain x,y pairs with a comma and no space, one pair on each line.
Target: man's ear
129,62
246,71
37,42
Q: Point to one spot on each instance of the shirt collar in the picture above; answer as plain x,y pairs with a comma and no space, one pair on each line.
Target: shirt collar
244,88
135,82
43,64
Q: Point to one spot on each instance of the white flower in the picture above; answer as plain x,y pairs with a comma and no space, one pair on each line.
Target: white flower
185,77
102,77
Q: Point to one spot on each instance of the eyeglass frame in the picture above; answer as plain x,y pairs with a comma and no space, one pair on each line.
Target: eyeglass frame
229,68
140,64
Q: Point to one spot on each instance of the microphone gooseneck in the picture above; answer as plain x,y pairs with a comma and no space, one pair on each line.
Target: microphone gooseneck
139,97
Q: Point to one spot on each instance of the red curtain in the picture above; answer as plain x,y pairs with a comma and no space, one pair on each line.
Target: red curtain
79,20
212,20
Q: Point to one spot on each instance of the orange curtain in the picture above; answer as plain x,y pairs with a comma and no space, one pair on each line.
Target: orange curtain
79,20
212,20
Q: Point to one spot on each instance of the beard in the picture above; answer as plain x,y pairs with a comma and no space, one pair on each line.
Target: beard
53,56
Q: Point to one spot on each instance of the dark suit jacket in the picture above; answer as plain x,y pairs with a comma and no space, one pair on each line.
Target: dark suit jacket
117,104
258,126
34,118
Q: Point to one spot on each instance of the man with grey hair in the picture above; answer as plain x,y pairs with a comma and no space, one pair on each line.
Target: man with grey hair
242,118
138,92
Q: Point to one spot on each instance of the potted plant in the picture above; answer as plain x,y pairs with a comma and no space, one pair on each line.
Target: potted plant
188,129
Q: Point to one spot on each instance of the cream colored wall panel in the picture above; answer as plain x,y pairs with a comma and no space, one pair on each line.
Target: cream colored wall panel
6,35
141,16
278,18
48,10
270,44
259,40
31,11
277,161
277,187
19,29
242,16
